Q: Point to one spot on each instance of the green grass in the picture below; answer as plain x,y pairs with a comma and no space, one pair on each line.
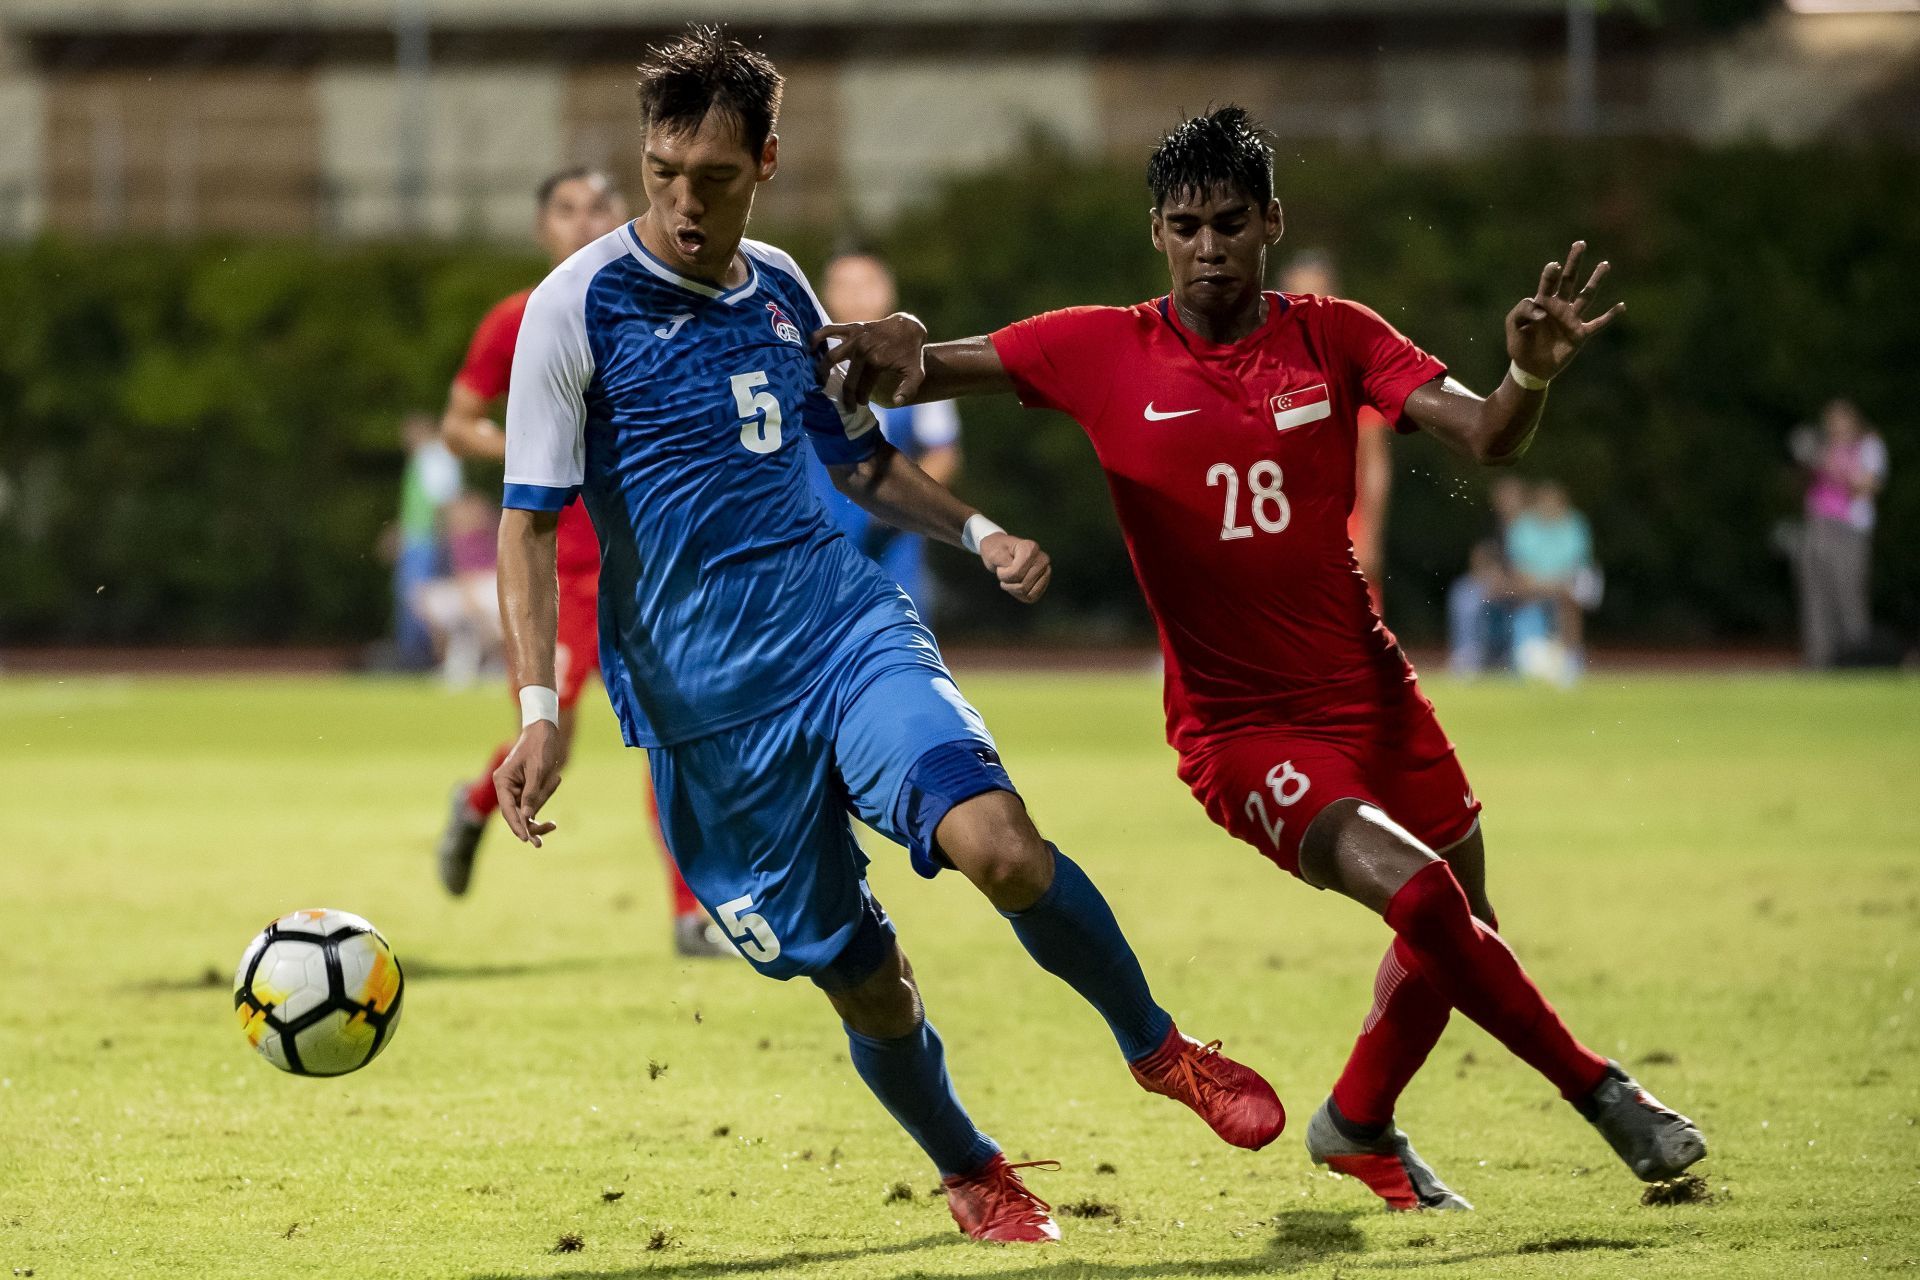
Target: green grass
1715,879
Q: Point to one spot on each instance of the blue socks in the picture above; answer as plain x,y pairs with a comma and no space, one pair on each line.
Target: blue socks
1071,932
909,1076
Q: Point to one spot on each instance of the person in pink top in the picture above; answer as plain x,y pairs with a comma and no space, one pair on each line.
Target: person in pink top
1846,465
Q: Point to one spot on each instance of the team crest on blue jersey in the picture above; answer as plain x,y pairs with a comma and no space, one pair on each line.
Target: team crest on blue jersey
783,328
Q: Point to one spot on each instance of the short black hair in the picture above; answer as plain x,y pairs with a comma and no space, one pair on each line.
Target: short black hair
1223,150
551,183
707,70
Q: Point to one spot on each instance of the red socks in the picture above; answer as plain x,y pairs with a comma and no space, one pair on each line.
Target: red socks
1404,1024
1467,965
481,797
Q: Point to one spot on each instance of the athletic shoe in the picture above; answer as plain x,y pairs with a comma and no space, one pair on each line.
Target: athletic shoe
993,1204
1233,1099
1387,1164
695,935
460,842
1657,1143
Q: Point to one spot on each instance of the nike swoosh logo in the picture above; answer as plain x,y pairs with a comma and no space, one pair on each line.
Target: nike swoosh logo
1154,415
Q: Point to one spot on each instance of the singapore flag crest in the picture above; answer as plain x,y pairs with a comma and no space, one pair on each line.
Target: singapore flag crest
1293,408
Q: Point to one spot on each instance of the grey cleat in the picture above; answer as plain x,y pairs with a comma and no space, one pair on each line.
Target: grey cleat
1656,1143
459,843
1387,1164
695,935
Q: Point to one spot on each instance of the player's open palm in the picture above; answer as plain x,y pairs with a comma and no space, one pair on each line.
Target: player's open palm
1546,331
1023,568
527,779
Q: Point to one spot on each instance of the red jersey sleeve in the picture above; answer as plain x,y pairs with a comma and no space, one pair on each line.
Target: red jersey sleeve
1387,365
489,360
1062,359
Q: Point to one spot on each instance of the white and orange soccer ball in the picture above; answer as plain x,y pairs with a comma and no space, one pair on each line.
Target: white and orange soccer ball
318,993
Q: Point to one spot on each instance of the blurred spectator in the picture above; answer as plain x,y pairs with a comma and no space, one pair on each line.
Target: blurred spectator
462,609
1312,272
1555,582
431,481
1480,603
858,287
1846,465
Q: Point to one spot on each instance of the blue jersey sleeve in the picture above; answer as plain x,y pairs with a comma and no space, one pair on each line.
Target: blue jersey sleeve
546,402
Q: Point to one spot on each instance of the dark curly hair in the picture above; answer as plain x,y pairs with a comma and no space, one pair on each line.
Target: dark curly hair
1223,150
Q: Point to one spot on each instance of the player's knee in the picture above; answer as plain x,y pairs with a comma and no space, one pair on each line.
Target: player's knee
1355,849
991,840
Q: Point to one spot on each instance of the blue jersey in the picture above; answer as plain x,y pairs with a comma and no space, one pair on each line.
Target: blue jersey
676,410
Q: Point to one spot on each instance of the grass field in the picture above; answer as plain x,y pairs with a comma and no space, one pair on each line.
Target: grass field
1717,880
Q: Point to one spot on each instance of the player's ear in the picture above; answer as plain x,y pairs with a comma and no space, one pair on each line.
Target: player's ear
769,157
1276,221
1153,225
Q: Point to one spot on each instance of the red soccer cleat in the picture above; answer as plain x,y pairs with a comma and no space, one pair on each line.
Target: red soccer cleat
993,1204
1234,1100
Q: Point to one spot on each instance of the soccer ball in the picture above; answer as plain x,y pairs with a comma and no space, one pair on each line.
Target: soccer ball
318,993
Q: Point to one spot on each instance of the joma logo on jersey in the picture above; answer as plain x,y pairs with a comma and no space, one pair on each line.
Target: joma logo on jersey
1306,404
783,328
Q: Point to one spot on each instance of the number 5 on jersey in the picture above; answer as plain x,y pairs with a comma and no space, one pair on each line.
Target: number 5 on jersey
747,927
759,412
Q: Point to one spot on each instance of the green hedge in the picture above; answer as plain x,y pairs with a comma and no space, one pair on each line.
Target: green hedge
200,441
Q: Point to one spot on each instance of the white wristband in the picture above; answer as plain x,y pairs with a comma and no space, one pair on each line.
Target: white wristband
537,702
1525,380
977,530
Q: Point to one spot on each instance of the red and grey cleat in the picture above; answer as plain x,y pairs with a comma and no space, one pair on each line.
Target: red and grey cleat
1386,1164
1234,1100
992,1203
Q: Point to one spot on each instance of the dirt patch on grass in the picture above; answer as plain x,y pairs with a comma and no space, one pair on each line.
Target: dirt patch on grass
1090,1209
572,1242
1688,1188
896,1193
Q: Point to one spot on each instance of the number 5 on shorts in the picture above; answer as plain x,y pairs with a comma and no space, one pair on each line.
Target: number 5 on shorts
748,929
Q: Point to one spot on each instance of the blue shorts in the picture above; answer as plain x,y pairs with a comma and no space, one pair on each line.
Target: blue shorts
759,816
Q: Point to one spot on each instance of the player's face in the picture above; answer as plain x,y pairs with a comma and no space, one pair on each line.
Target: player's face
1216,246
700,189
579,211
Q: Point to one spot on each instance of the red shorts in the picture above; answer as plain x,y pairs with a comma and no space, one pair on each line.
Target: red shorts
1266,785
577,655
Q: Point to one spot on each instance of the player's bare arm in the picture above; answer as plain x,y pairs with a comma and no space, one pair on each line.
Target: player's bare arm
529,620
1544,333
893,488
467,428
889,361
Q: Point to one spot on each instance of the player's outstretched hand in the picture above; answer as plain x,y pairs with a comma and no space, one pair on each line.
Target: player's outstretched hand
881,359
527,779
1023,568
1546,331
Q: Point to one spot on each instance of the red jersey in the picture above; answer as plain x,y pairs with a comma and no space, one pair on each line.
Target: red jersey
486,372
1232,472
